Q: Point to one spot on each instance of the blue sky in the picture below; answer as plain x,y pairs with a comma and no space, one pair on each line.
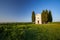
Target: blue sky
21,10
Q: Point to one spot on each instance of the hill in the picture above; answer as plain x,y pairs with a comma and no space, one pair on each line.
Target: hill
16,31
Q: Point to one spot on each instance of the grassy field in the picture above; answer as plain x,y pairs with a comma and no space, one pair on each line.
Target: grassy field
25,31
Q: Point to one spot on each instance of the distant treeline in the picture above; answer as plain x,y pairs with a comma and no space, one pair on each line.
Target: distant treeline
24,23
15,23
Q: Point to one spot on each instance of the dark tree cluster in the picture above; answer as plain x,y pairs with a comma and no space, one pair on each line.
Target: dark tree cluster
46,16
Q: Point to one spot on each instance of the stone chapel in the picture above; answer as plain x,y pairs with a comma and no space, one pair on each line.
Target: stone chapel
38,19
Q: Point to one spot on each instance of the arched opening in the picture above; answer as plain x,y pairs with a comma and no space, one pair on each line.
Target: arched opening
38,22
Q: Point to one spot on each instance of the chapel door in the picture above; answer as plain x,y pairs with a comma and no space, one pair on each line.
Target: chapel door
38,22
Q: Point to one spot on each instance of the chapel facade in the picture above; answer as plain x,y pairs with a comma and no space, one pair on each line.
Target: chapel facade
38,19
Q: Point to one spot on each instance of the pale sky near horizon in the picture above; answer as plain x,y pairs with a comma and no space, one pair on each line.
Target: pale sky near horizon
21,10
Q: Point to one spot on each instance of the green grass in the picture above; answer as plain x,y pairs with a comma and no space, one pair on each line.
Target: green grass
16,31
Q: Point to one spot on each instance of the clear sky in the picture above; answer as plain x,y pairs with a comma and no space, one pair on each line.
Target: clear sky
21,10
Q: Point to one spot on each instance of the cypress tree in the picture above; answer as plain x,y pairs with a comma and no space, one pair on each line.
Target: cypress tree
43,16
46,16
50,17
33,17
